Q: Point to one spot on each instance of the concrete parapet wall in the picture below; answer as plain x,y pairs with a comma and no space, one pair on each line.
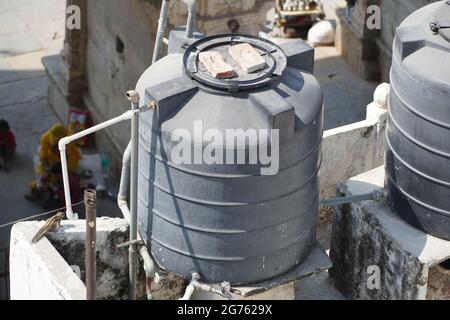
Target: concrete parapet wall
53,268
378,256
353,149
38,271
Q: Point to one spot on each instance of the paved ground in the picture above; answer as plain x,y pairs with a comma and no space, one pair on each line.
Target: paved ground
345,94
29,30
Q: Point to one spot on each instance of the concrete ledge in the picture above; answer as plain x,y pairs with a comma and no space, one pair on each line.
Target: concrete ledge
353,149
368,236
53,268
38,271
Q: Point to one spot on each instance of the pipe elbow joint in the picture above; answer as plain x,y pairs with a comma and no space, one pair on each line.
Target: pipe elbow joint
149,265
126,156
62,143
133,96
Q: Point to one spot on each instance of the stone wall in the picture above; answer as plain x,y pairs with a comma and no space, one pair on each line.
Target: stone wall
112,70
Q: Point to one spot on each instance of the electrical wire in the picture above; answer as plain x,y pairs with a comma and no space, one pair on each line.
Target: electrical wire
38,215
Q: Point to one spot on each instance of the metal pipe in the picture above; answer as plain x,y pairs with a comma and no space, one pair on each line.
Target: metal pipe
375,196
192,11
90,202
134,98
62,149
162,22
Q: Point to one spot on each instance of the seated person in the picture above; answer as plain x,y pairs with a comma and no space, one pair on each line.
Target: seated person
7,143
55,198
48,157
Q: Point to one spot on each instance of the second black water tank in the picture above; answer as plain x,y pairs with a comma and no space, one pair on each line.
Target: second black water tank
418,133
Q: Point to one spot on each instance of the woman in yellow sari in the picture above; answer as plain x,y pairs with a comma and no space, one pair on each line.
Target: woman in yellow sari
48,157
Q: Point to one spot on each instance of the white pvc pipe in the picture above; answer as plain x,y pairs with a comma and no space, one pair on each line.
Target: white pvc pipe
62,149
149,266
192,10
195,284
132,249
162,22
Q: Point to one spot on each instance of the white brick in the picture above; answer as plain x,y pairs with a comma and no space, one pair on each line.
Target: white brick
247,57
216,65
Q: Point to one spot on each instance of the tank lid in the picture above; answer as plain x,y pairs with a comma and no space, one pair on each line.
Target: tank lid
440,22
426,27
273,55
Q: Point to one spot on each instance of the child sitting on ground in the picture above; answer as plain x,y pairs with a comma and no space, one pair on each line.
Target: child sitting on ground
7,144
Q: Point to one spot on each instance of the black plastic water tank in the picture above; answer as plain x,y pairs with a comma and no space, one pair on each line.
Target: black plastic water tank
418,133
229,222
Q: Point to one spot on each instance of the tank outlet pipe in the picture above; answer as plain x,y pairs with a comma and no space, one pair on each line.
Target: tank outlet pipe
162,22
224,290
133,96
374,196
66,140
149,265
192,11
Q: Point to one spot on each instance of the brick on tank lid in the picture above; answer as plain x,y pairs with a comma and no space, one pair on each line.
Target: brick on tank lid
247,57
216,64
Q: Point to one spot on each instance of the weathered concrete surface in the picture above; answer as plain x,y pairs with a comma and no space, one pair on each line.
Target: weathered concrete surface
112,263
438,283
369,234
38,271
45,270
